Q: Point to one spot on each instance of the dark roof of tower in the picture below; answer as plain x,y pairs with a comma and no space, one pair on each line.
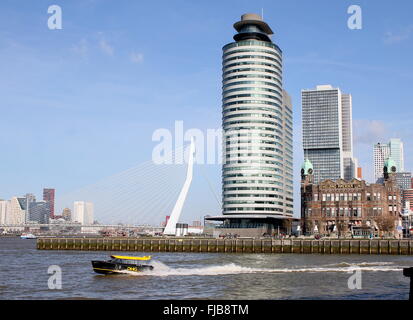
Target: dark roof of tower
254,19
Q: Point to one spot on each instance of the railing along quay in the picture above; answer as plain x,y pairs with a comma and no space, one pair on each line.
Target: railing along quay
338,246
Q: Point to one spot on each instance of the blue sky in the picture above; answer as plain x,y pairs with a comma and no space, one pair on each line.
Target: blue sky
80,104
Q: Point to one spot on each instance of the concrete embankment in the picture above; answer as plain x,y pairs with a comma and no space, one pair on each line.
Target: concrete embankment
401,247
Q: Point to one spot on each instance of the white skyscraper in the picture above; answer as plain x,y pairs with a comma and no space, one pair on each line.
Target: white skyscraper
17,212
397,153
327,133
257,123
4,211
349,163
382,151
83,212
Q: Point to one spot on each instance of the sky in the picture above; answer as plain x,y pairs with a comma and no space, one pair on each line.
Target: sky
81,104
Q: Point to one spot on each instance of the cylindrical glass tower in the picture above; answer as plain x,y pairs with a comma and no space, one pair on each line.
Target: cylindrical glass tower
257,124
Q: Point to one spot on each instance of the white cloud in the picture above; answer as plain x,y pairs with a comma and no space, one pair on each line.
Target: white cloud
366,133
369,131
136,57
106,47
82,48
392,38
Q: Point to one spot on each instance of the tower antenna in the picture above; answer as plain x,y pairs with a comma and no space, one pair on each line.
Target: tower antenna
262,13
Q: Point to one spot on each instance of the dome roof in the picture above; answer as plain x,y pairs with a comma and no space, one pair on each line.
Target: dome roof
389,164
307,165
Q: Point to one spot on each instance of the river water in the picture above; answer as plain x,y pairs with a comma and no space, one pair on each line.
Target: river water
24,275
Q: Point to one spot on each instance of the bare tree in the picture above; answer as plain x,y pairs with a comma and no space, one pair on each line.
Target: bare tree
385,223
287,226
340,225
308,225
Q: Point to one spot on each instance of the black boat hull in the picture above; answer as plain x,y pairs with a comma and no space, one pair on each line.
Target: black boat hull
106,267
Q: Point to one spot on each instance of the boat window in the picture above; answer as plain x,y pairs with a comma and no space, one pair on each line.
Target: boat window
128,261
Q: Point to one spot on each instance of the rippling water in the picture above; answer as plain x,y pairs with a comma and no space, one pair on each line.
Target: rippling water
23,275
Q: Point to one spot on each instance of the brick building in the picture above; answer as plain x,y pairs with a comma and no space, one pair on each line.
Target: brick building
49,196
343,207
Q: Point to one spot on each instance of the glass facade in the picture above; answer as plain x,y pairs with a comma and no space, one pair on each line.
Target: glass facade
327,133
396,152
257,116
382,151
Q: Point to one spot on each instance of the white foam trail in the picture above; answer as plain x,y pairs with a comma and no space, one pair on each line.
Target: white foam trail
373,263
162,270
360,264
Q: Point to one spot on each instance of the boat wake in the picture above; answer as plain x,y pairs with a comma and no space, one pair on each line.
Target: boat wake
360,264
162,270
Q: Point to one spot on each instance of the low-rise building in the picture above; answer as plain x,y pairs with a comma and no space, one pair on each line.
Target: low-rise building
350,207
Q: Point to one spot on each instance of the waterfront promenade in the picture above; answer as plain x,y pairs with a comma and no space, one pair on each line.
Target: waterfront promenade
330,246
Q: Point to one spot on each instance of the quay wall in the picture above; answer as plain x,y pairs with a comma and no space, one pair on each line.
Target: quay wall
331,246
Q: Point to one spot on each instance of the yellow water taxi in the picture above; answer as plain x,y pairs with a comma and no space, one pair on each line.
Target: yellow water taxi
122,264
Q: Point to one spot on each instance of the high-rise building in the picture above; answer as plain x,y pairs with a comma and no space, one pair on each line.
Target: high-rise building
26,205
49,196
17,211
404,180
24,210
67,214
397,153
83,212
382,151
359,173
33,211
257,124
327,133
408,197
350,163
38,211
4,211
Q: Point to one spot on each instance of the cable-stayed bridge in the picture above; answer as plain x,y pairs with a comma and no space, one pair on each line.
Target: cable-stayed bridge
140,196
